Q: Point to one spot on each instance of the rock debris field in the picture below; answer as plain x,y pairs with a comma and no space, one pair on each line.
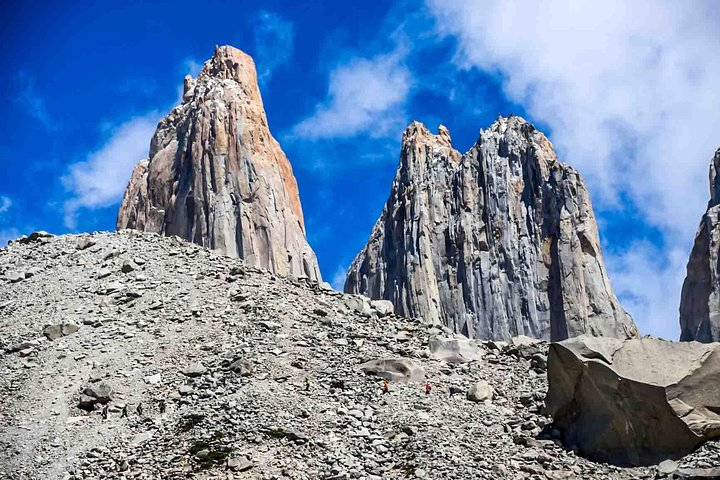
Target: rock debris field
208,368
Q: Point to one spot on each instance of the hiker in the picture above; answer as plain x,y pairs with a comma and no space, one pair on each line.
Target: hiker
104,412
307,384
161,405
385,386
427,388
124,411
140,409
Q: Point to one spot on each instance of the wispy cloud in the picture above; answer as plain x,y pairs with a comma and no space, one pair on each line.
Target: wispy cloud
365,96
338,279
32,102
5,204
7,234
99,180
632,104
191,66
274,41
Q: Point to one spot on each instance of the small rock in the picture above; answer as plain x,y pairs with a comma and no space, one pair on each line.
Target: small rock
194,370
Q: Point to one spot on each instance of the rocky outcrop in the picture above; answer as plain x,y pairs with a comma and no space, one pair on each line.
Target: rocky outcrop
700,299
499,242
634,402
217,177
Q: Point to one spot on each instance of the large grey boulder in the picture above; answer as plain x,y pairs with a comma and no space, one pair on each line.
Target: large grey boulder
394,369
498,242
217,177
457,349
634,402
700,298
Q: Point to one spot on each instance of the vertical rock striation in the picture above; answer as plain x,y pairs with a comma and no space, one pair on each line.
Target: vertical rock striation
217,177
700,298
501,241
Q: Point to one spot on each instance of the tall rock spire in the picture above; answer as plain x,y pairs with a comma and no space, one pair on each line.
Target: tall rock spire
700,298
501,241
217,177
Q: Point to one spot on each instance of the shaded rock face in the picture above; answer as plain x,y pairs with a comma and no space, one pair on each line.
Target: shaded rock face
217,177
700,298
634,402
499,242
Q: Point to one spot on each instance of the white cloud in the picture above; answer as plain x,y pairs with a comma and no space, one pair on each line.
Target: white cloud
274,40
99,180
33,103
646,279
365,96
191,67
630,92
7,234
5,204
338,279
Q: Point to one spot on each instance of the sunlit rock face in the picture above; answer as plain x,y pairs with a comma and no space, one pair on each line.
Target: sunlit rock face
217,177
498,242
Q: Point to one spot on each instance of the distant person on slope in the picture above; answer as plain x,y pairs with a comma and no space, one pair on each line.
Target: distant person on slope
385,386
427,388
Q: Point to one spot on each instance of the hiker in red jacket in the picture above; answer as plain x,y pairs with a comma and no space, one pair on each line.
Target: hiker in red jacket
427,388
386,386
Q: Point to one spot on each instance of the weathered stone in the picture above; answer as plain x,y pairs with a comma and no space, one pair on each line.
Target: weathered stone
457,349
499,242
218,178
35,236
242,367
84,243
382,307
359,304
700,298
394,369
634,402
666,467
194,370
480,391
14,276
53,332
102,391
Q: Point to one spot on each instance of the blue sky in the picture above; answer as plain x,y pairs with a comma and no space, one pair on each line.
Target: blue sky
633,105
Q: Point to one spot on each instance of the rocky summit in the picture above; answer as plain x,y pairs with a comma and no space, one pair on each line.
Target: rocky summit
498,242
700,299
217,177
136,356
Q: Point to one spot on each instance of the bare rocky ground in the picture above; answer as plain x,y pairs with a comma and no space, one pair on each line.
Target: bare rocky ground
229,348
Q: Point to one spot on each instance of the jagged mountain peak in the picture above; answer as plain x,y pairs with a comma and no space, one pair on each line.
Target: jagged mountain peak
498,242
217,177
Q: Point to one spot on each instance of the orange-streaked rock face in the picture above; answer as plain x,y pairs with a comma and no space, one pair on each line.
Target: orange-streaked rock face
217,177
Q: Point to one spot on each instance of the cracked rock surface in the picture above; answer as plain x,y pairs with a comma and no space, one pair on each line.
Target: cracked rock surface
498,242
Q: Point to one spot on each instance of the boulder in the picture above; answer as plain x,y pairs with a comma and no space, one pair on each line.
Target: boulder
53,332
194,370
359,304
394,369
382,307
35,236
480,392
634,402
242,367
102,392
455,349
